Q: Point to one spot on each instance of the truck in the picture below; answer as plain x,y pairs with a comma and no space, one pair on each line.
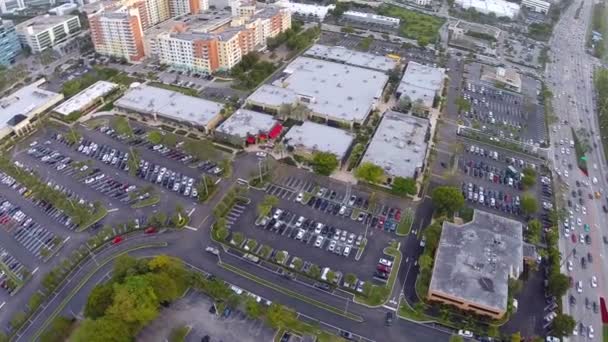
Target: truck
511,171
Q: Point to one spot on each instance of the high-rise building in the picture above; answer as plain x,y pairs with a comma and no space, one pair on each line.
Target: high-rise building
118,32
43,32
221,46
182,7
9,42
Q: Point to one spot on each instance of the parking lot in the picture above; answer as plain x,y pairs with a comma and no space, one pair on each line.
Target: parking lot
328,227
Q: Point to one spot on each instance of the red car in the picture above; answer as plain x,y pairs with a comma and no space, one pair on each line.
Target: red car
573,238
383,268
117,240
381,223
397,215
150,230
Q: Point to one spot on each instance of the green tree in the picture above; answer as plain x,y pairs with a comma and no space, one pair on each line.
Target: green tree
99,300
563,325
105,329
350,278
238,238
528,181
253,309
324,163
516,337
404,104
418,108
369,172
515,286
314,272
155,137
58,331
164,286
404,186
134,301
534,231
425,261
462,105
529,205
266,205
280,317
125,265
447,199
558,284
456,338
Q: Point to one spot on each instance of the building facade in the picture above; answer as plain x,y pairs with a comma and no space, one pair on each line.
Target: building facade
537,5
118,33
9,43
43,32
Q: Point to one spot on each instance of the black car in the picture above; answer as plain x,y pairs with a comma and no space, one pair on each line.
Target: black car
388,319
595,308
572,300
588,239
583,263
589,257
345,334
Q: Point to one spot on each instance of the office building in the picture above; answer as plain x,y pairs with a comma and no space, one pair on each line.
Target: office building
168,106
421,83
47,31
311,137
247,127
9,43
334,92
500,8
508,78
474,262
399,146
539,6
19,110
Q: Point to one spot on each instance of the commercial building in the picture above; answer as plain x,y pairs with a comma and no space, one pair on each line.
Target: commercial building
421,83
422,2
500,8
355,58
371,19
474,262
505,77
312,137
9,43
305,11
539,6
64,9
399,145
248,127
336,93
87,98
171,107
47,31
19,110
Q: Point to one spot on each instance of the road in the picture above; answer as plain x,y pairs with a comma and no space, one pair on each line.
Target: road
570,77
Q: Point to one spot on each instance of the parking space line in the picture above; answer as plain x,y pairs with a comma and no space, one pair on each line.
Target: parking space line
112,210
191,228
35,270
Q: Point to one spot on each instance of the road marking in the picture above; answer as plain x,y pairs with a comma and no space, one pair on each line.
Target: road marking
191,211
113,210
67,239
191,228
1,305
35,270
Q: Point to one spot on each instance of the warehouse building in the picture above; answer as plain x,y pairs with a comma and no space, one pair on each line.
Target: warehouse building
247,127
171,107
343,55
87,98
335,93
371,20
421,82
399,145
474,262
19,110
311,137
500,8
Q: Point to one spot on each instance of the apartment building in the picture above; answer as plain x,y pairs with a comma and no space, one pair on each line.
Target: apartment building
183,7
206,51
118,33
43,32
9,43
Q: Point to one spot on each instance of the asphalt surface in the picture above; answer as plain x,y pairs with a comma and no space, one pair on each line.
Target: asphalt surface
570,77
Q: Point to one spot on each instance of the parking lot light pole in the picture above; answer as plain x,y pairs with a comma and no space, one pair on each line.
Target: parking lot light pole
205,184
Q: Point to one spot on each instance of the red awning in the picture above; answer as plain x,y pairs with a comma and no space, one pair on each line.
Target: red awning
275,131
250,140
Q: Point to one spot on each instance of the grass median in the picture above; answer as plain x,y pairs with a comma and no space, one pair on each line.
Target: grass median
84,281
100,214
378,295
290,293
152,200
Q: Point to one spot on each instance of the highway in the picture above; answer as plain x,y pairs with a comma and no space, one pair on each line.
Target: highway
570,77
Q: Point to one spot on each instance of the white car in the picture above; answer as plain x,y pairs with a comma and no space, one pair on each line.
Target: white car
465,333
579,221
300,234
385,262
319,241
319,228
590,332
594,281
563,150
570,266
277,214
565,173
300,222
584,209
300,197
261,154
579,286
212,250
346,251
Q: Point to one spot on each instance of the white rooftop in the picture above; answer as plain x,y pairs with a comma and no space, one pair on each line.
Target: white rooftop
305,9
246,122
399,144
421,82
355,58
499,7
86,97
19,105
170,104
338,91
371,17
316,137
